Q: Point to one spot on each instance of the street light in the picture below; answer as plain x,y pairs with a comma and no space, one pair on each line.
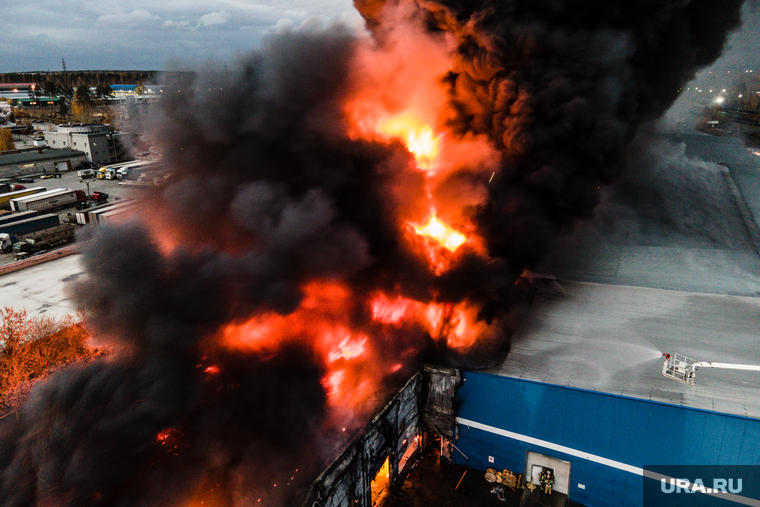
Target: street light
86,180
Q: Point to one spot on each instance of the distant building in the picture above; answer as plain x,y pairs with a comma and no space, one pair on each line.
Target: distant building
16,87
36,102
126,94
99,145
124,89
39,161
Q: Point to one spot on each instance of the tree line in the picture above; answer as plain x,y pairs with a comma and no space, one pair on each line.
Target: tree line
74,79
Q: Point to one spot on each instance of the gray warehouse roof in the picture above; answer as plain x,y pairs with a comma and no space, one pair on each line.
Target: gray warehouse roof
38,156
641,282
609,338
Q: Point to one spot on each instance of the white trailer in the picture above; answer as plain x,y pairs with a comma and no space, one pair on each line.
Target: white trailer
50,200
93,217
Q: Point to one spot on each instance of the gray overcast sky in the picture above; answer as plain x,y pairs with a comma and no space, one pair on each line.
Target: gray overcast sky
146,34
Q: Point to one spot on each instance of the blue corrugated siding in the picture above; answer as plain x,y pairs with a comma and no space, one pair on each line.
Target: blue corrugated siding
631,431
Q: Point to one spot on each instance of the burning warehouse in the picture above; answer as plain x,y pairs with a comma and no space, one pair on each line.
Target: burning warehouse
371,204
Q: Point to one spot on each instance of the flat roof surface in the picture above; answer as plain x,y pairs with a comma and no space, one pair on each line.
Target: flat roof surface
38,156
610,338
640,282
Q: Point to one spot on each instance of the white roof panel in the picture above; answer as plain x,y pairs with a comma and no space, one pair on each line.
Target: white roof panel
610,338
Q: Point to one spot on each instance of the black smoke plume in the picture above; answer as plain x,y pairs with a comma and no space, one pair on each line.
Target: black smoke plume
561,88
268,192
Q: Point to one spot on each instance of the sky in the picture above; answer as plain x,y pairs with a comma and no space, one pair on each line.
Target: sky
166,34
148,34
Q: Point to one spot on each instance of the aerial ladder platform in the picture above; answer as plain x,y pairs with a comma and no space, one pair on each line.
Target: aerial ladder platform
683,369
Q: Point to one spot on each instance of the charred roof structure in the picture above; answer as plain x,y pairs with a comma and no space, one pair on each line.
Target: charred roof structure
367,470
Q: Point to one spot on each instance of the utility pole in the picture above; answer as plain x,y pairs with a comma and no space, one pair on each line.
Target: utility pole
65,76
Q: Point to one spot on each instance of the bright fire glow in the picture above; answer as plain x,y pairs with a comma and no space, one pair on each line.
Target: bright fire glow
164,435
351,381
391,312
348,349
447,237
418,137
457,324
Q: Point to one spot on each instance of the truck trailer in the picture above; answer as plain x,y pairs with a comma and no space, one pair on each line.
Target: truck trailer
45,239
5,199
50,200
89,215
115,215
17,217
12,232
94,213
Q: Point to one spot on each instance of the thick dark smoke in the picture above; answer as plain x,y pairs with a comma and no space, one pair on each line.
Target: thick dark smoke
561,87
269,192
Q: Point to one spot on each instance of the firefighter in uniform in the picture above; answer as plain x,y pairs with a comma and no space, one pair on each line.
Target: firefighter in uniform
546,478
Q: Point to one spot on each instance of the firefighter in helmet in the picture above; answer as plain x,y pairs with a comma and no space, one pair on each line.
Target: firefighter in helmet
546,478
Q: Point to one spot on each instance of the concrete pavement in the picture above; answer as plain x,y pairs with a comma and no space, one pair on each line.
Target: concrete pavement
41,289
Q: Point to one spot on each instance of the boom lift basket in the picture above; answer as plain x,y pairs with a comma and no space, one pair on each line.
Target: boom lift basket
682,368
678,367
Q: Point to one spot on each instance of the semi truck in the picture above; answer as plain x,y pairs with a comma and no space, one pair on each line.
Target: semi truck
99,197
12,232
5,199
45,239
50,200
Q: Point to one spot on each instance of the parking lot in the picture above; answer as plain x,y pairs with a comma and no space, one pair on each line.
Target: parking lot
71,180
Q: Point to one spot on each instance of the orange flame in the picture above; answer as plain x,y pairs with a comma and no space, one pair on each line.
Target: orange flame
447,237
418,137
457,324
347,349
351,382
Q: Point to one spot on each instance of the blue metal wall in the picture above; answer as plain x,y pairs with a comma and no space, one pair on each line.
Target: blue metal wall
629,431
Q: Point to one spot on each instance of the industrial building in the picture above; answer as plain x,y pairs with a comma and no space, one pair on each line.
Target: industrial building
99,145
39,161
582,391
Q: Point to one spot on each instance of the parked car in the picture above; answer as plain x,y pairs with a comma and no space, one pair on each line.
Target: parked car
25,180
